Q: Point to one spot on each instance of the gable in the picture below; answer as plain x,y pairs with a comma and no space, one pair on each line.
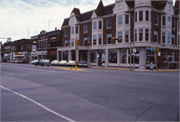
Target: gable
169,9
93,15
72,20
120,6
72,14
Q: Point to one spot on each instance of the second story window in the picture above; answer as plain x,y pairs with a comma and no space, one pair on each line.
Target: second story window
109,38
65,43
135,16
126,19
169,21
76,29
135,35
155,36
173,23
140,34
85,28
65,32
126,36
155,19
94,40
173,40
72,42
85,41
147,15
169,38
109,23
120,37
100,24
163,37
147,35
72,30
120,19
94,25
164,20
100,39
140,15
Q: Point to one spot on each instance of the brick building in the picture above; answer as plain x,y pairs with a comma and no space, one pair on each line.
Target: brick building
154,23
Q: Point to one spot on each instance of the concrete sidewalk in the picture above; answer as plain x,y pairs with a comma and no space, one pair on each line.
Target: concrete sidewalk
136,69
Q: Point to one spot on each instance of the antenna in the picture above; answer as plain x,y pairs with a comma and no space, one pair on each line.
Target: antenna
48,25
28,32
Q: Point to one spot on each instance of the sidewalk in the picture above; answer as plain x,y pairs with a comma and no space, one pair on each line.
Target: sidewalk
136,69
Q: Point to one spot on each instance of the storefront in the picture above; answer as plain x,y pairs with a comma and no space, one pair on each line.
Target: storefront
34,55
42,54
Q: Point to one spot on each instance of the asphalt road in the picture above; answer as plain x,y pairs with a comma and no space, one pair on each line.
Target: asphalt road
35,93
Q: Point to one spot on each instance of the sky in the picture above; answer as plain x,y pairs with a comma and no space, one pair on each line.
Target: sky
25,18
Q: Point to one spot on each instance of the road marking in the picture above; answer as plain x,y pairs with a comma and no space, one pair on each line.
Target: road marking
6,72
60,115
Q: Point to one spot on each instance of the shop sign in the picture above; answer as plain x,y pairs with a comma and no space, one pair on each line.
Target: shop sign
42,53
18,53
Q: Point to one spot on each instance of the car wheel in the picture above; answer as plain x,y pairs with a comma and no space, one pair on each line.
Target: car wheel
35,64
47,65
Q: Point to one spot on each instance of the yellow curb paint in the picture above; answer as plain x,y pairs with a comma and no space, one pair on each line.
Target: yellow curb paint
6,72
70,69
168,70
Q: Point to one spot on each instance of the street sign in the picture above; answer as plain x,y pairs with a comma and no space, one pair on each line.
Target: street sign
159,53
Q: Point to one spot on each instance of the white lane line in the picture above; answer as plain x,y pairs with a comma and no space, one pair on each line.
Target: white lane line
60,115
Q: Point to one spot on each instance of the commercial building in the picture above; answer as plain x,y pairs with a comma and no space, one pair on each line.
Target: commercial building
148,23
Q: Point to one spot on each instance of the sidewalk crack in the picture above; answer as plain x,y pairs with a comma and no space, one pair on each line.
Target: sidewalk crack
144,112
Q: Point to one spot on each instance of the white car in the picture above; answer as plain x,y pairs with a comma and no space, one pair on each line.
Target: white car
63,62
71,63
33,62
54,62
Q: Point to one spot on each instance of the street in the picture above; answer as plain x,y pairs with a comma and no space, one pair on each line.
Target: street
35,93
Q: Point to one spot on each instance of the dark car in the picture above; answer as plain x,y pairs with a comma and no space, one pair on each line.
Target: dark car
43,62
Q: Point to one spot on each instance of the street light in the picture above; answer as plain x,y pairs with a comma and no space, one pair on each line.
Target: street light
133,39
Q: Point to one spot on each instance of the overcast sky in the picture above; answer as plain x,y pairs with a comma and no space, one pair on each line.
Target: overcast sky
20,18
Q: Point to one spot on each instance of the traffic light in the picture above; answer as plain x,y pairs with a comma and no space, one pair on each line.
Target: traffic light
114,38
157,49
76,42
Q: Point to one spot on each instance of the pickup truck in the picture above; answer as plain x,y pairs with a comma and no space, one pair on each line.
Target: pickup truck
43,62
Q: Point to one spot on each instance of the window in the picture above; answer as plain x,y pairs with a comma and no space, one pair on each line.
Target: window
85,41
66,32
72,42
93,57
94,40
120,37
173,56
94,25
147,35
173,40
135,16
76,29
112,55
120,20
155,36
72,30
100,39
164,55
85,28
109,36
140,15
135,35
109,23
147,15
164,20
65,43
169,38
169,21
126,36
150,55
140,34
163,37
173,23
100,24
126,19
123,54
156,19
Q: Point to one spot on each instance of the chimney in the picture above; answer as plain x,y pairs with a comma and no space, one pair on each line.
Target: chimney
55,28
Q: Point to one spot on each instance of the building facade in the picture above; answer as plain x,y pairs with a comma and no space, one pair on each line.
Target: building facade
145,23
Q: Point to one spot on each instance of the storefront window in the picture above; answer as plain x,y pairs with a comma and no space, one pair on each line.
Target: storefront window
164,55
65,55
93,57
136,57
112,56
123,56
150,55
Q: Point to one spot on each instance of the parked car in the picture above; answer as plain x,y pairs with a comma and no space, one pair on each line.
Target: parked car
71,63
54,62
43,62
82,63
33,62
4,60
63,62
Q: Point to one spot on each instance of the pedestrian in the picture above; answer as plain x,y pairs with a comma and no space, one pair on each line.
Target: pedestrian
151,66
101,63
